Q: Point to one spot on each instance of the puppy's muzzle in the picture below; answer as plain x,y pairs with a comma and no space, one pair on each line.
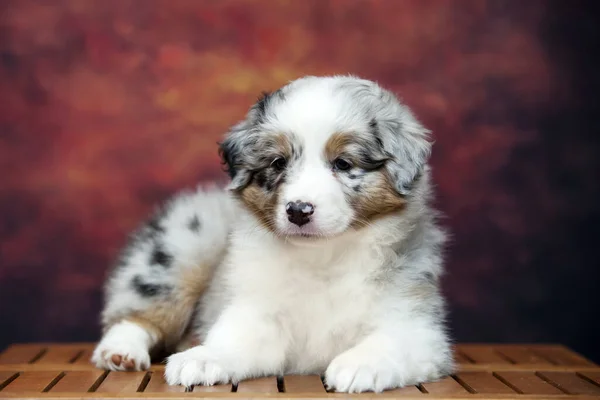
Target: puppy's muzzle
299,212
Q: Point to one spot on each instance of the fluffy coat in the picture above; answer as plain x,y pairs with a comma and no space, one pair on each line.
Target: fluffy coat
323,256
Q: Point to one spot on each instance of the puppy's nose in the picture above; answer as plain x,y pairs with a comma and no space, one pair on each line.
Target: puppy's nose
299,212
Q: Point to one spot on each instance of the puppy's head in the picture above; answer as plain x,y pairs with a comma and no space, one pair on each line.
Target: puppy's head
324,155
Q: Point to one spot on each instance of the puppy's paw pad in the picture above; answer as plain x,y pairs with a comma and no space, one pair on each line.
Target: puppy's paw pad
196,366
121,356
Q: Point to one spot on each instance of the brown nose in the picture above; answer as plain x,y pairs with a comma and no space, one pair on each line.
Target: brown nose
299,212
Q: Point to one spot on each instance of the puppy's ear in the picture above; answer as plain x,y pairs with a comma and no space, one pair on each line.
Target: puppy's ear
407,142
231,150
237,148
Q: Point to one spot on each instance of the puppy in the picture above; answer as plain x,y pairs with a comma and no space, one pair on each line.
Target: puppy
322,257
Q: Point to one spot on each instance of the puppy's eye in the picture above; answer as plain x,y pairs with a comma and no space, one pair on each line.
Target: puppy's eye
279,163
341,164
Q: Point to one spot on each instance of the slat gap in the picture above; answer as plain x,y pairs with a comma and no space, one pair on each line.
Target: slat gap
9,380
464,384
504,356
422,388
144,382
76,357
556,385
541,355
98,382
466,357
507,383
280,384
38,356
54,382
585,378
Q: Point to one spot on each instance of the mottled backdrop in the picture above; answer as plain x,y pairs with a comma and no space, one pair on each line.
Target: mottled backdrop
107,107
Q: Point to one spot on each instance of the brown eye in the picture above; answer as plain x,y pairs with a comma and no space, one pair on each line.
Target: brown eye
341,164
279,163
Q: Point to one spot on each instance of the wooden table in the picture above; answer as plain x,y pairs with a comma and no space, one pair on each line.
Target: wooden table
46,371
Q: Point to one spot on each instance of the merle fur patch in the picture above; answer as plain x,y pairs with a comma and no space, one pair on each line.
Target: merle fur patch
374,129
194,224
146,289
160,256
261,106
429,278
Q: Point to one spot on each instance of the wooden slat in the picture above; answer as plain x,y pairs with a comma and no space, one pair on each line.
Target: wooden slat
405,391
121,382
84,358
303,384
445,386
484,383
571,383
260,385
522,355
562,356
77,381
31,381
59,354
483,355
528,383
20,353
157,384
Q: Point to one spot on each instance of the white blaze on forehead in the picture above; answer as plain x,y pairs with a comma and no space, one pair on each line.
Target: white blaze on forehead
313,111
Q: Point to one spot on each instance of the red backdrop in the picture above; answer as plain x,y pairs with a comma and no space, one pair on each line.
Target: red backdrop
110,106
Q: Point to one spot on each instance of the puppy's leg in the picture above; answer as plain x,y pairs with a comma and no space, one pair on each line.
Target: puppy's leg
409,353
126,346
242,344
151,294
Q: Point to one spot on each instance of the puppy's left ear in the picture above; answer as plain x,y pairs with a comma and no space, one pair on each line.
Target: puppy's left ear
408,144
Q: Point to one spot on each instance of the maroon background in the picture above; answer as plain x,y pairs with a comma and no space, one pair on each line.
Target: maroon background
110,106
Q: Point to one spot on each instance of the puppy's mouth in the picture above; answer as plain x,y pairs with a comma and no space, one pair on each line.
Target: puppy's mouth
305,236
301,235
305,239
304,233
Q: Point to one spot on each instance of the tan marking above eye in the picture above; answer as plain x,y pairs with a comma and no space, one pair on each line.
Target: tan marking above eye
337,145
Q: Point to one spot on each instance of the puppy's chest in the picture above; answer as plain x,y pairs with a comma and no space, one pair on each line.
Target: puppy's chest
323,307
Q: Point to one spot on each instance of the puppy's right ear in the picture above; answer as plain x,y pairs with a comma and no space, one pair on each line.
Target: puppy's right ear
232,150
239,145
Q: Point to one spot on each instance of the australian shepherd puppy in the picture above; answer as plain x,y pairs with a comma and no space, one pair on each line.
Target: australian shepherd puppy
322,256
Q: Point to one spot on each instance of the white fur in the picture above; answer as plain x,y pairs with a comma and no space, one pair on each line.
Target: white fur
360,306
127,340
313,307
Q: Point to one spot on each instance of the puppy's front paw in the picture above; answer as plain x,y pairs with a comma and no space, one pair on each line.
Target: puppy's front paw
196,366
356,371
121,355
